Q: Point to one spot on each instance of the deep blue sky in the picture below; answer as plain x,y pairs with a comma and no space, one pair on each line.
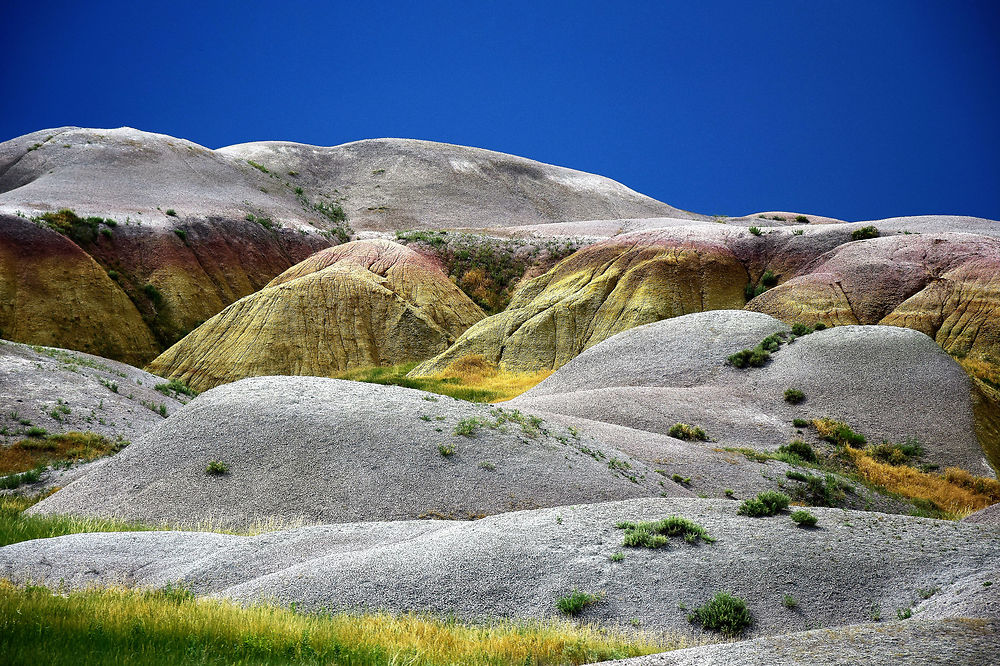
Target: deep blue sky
856,110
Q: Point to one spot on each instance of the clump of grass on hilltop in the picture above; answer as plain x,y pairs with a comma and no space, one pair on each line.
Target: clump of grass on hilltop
170,626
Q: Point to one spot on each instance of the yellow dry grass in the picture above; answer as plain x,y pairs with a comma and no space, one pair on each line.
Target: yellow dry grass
474,371
956,492
982,369
173,622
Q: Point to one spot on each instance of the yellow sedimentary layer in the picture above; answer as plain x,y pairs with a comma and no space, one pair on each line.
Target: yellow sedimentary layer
327,317
596,293
52,293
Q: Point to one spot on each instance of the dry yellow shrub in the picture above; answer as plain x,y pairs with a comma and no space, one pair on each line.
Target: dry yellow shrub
955,492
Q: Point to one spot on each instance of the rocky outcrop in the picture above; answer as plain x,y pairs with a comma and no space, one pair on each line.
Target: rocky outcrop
362,304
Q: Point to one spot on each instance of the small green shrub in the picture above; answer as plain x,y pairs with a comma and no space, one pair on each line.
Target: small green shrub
865,233
788,601
768,279
799,449
724,613
446,450
904,613
802,219
657,534
216,468
838,433
801,423
174,387
181,234
800,329
803,518
574,603
171,212
896,454
794,396
106,233
467,427
152,293
767,503
617,557
819,326
12,481
687,432
258,166
35,431
755,231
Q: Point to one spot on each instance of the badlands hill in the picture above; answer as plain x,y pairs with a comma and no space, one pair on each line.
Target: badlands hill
326,450
388,184
233,271
924,275
518,564
365,303
149,264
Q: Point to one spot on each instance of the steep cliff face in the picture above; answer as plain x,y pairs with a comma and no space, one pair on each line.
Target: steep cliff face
362,304
53,293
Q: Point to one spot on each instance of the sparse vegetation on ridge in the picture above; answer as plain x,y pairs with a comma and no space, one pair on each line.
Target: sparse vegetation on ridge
767,503
488,269
43,450
474,385
864,233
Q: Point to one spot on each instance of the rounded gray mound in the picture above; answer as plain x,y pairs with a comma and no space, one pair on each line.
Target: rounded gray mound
912,642
325,450
885,382
62,391
517,565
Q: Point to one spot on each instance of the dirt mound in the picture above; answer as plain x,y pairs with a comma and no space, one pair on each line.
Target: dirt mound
886,382
325,450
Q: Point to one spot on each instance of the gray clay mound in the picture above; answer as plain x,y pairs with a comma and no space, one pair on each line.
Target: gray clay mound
306,449
968,641
887,383
84,392
107,172
988,516
405,183
518,564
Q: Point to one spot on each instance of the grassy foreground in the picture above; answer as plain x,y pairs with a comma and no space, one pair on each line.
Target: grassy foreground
170,626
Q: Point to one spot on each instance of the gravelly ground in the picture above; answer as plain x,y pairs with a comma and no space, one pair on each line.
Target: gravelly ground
518,564
325,450
62,391
971,642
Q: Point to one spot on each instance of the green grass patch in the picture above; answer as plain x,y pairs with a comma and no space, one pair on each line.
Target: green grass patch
724,613
767,503
170,626
657,534
395,375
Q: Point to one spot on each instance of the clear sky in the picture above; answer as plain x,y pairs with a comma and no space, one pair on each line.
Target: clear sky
857,110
